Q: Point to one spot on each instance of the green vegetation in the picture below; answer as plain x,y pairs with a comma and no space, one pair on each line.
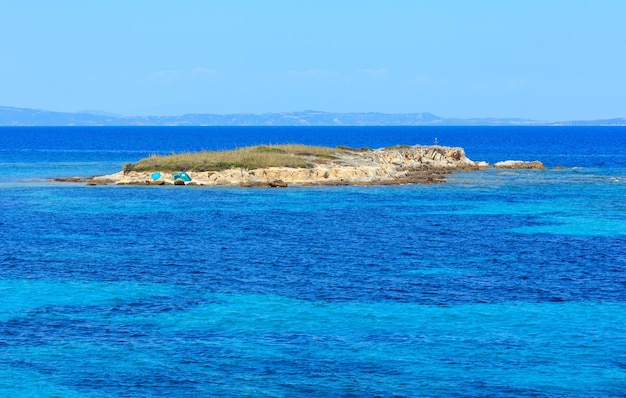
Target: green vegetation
350,149
289,155
398,147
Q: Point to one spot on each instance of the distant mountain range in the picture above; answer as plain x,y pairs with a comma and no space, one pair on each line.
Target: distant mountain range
30,117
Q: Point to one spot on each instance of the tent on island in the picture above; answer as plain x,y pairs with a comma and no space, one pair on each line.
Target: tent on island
181,176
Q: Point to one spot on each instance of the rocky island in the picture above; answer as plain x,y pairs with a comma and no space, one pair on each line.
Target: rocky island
299,165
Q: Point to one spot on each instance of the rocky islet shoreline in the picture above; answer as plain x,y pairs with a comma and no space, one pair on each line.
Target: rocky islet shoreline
386,166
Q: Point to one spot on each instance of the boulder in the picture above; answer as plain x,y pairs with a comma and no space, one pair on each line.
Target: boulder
278,184
520,164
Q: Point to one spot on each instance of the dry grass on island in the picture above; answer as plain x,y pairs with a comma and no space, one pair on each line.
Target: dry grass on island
248,158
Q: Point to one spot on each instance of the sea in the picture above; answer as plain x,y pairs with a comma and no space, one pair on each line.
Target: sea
494,284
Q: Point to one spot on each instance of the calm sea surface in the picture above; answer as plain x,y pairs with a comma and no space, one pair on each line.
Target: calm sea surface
495,284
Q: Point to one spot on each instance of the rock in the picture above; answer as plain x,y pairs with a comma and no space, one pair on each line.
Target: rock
70,179
157,182
278,184
179,182
520,164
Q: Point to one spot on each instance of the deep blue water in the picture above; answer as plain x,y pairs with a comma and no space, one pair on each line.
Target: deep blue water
494,284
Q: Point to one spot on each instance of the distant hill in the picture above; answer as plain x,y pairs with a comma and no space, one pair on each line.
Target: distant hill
31,117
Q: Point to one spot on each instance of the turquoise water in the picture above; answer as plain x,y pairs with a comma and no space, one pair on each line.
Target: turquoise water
495,284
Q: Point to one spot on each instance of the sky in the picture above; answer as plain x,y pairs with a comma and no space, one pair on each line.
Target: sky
548,60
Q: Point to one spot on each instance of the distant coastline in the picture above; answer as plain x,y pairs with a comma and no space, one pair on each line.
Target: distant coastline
11,116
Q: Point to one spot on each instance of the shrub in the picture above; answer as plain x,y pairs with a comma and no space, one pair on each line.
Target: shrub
128,167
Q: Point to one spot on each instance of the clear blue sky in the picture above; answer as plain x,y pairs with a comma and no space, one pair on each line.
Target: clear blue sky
545,60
